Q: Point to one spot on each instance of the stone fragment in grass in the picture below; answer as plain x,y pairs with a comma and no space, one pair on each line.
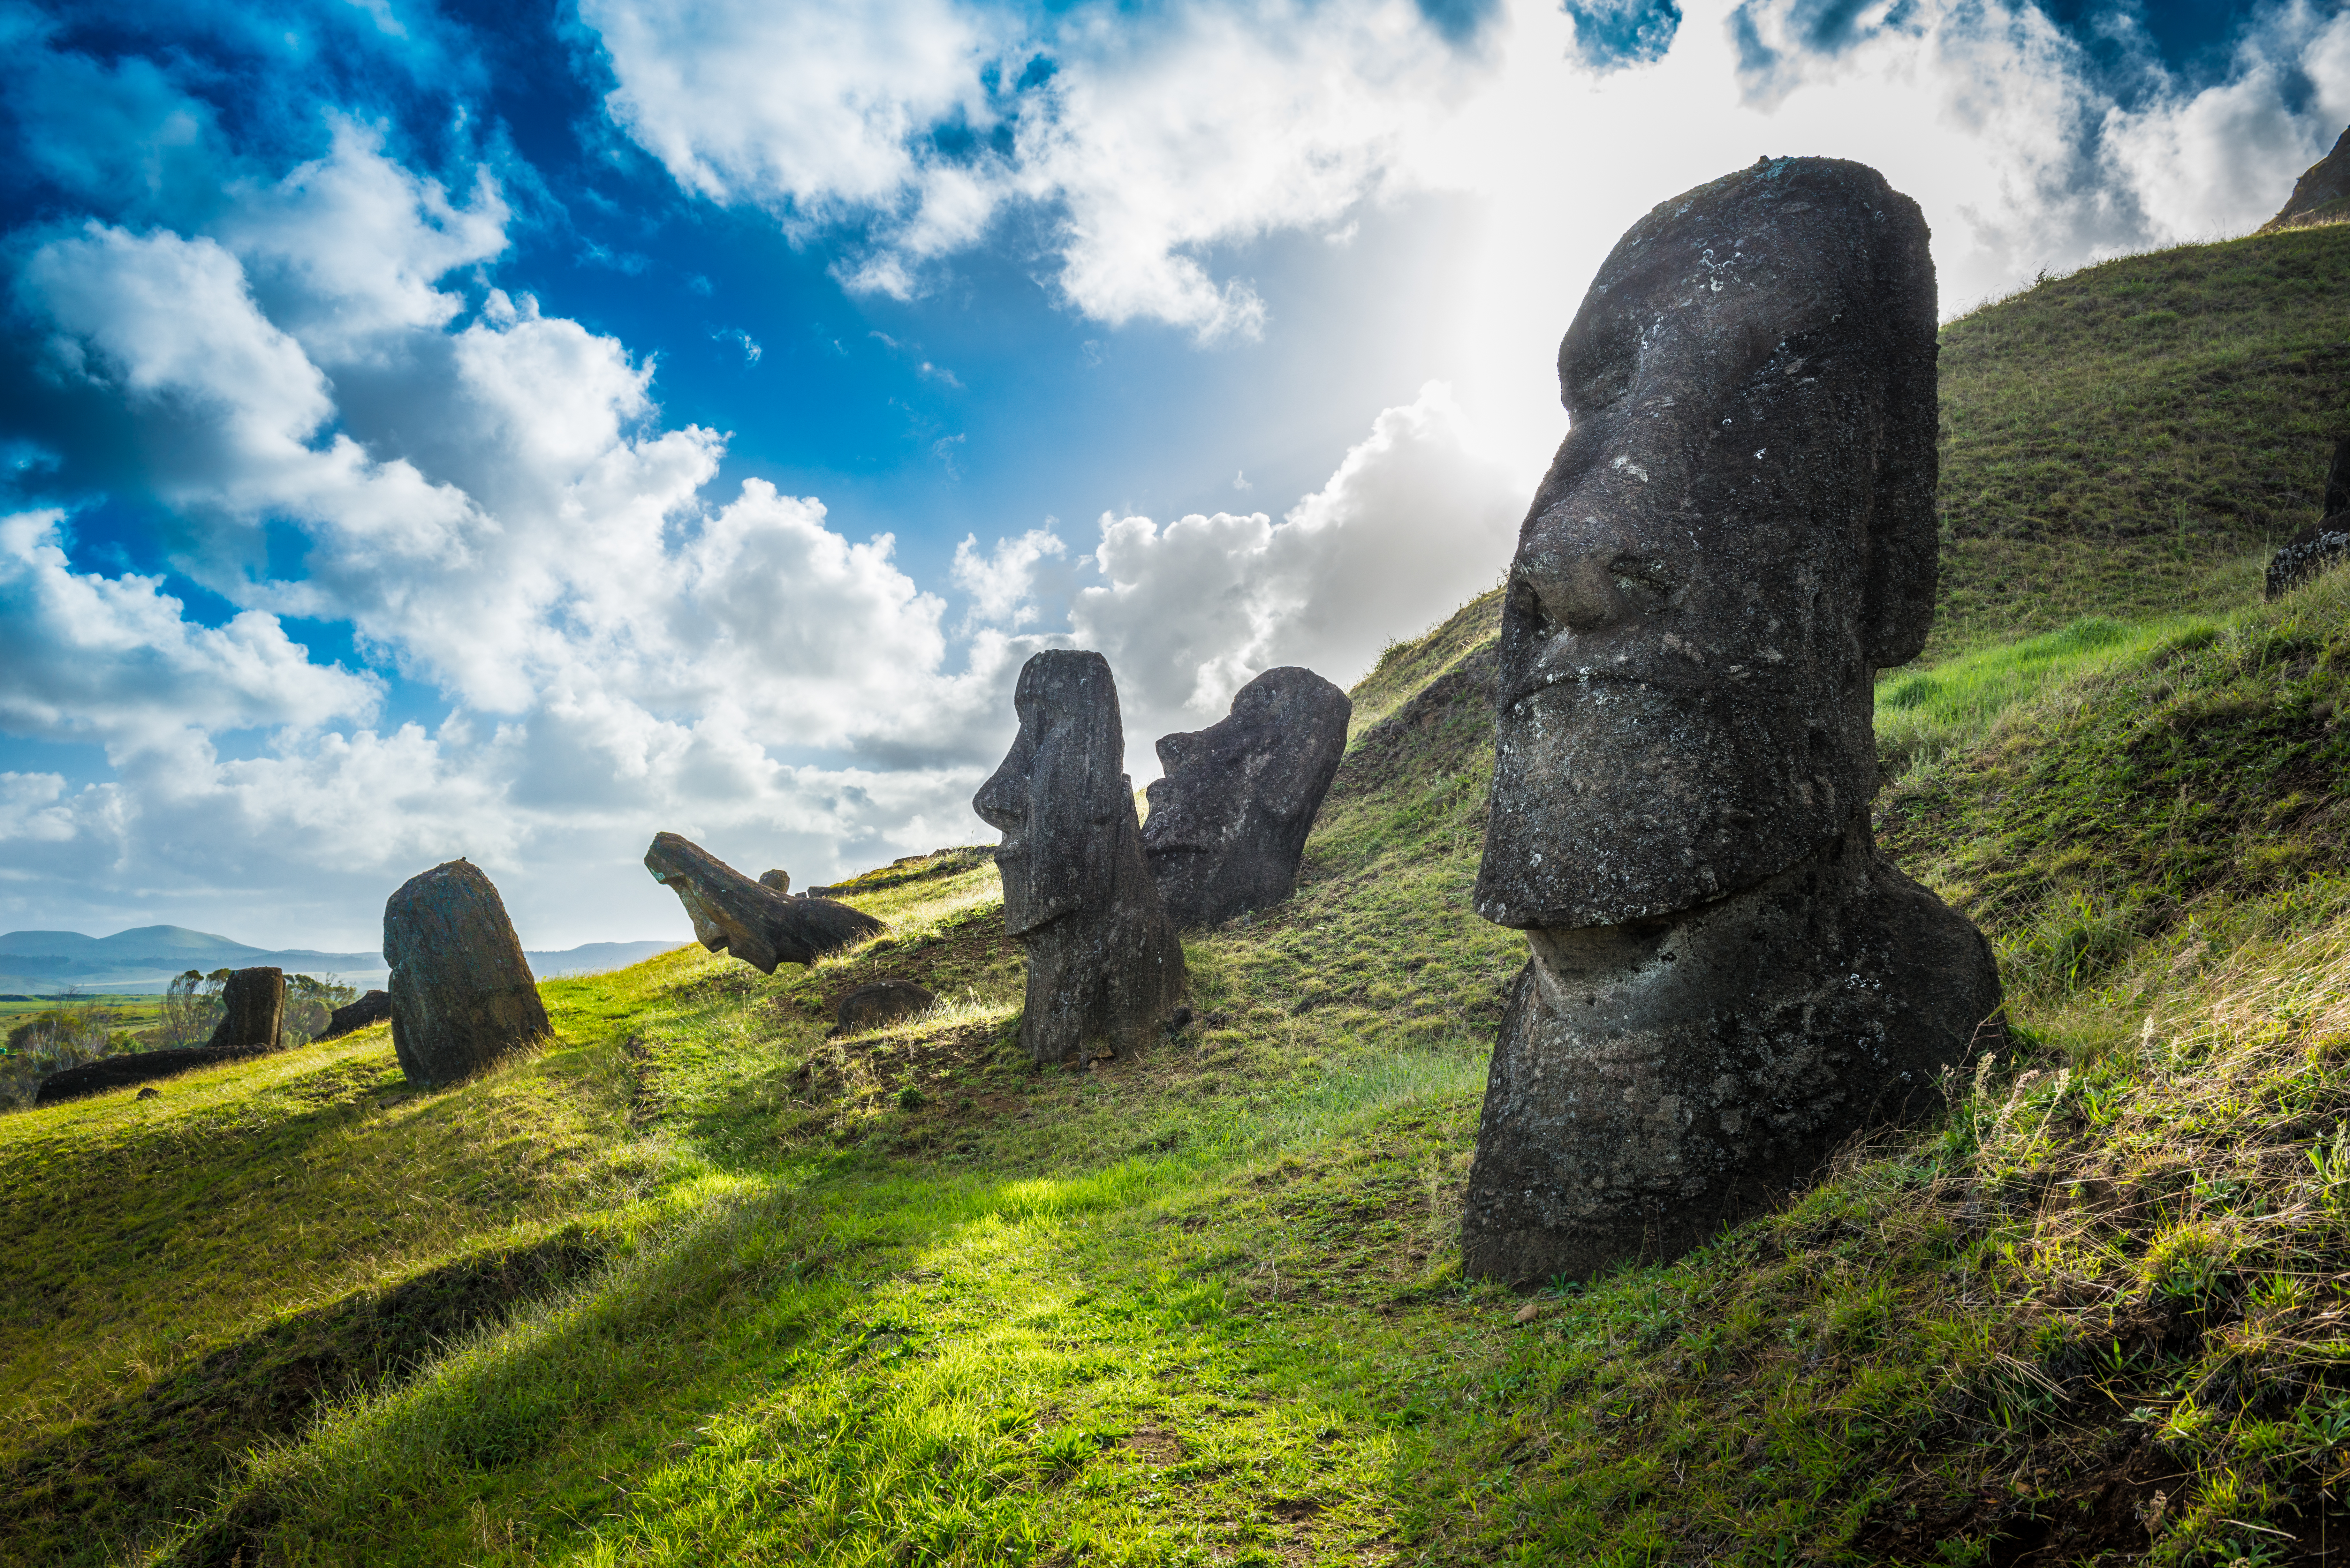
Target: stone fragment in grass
1104,964
883,1001
372,1008
2325,544
757,924
1726,981
121,1072
253,1015
1228,821
462,994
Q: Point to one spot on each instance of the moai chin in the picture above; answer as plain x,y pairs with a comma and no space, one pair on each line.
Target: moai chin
1227,822
1725,980
1104,964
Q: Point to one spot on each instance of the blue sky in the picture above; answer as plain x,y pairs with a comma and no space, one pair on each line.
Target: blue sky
511,431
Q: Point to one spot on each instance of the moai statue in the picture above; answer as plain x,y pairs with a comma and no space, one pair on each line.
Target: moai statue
758,922
462,994
253,1014
1227,822
1104,964
1725,979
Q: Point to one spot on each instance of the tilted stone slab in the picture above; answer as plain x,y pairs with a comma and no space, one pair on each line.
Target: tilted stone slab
1229,818
462,994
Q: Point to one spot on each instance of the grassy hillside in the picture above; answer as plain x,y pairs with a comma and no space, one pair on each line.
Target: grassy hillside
2120,442
699,1284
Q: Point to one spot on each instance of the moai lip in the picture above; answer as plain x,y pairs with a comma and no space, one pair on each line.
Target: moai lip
1228,819
1738,531
1104,963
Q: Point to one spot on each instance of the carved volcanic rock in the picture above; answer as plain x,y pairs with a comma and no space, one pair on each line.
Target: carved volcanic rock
1659,1079
461,995
372,1008
883,1001
1736,534
1228,821
2323,543
776,881
757,924
254,1012
1104,964
121,1072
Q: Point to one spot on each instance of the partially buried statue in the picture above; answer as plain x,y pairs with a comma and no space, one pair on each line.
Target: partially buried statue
758,922
1104,964
1725,979
462,995
1227,822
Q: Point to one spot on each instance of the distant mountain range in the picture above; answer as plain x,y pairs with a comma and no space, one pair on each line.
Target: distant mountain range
146,958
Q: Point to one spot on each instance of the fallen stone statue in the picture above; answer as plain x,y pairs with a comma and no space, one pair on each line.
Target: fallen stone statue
2325,544
253,1024
1725,981
372,1008
462,992
1228,821
1104,964
755,923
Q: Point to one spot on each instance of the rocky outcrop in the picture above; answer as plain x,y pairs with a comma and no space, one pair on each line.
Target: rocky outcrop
1724,981
372,1008
1105,968
461,995
2326,543
1228,819
757,924
253,1016
882,1002
2322,194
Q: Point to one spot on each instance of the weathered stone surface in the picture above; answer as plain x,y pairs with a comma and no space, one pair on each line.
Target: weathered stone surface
883,1001
1737,533
757,924
1228,821
2326,543
1104,964
372,1008
1657,1079
776,881
121,1072
462,994
254,1012
2322,194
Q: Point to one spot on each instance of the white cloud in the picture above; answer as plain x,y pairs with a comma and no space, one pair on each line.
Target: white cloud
1413,522
1155,140
114,661
346,249
1001,583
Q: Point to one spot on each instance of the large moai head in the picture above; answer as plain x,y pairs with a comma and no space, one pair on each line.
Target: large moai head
1229,820
1736,534
1062,784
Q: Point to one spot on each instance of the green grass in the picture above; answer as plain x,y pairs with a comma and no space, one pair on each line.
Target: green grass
2129,440
698,1284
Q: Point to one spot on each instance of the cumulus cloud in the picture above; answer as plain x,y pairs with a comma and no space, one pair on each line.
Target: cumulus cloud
921,122
1413,522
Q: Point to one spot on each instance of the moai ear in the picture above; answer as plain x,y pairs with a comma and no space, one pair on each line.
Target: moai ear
1904,543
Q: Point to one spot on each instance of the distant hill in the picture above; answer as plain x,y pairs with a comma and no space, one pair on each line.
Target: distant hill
146,958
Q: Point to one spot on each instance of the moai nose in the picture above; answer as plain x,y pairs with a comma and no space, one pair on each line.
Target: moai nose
1576,590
